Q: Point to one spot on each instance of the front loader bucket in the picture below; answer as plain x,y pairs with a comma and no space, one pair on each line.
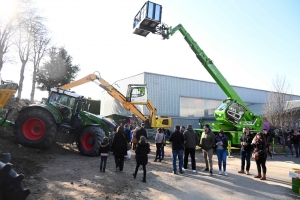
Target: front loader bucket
6,91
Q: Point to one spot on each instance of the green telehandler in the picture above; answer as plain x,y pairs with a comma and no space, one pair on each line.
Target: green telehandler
233,114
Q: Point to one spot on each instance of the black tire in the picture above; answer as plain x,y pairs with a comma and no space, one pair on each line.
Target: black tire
11,186
89,140
35,128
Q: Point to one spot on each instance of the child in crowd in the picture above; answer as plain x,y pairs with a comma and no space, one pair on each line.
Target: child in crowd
142,151
103,152
289,144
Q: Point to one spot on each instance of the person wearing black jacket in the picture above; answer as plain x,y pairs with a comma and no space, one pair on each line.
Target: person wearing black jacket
259,144
246,150
142,151
177,140
103,152
296,141
119,148
268,141
141,132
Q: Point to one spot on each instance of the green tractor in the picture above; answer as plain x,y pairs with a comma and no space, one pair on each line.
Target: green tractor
62,119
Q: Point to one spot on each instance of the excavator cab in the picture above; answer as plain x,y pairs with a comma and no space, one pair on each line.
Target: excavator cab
137,93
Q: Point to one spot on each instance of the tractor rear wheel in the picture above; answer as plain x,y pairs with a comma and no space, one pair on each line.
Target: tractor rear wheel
89,140
35,128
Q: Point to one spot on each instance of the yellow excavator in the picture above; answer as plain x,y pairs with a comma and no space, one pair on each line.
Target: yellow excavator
136,95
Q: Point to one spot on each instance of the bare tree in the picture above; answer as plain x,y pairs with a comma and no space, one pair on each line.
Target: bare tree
40,47
8,27
280,110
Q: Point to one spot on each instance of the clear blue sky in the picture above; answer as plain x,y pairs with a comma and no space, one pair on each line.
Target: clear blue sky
250,42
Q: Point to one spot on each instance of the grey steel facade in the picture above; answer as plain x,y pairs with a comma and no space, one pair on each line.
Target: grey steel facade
168,92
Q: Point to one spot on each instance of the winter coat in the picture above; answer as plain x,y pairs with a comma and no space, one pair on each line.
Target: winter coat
289,143
296,139
141,152
104,148
191,138
248,139
177,140
222,139
134,140
159,137
260,147
141,132
127,134
207,140
119,144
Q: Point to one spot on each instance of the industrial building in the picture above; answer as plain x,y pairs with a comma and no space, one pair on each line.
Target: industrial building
184,100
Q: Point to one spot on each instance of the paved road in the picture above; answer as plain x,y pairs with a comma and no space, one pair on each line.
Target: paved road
236,186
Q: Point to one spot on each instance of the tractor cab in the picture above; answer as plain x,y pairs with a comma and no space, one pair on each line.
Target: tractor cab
137,93
65,102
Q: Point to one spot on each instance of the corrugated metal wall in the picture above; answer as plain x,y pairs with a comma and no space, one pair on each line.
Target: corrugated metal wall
109,105
165,91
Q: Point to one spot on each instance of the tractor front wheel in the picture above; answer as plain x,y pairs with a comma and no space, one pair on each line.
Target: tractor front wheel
35,128
89,140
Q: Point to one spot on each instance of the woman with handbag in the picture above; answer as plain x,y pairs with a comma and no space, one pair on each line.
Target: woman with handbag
158,141
260,155
119,148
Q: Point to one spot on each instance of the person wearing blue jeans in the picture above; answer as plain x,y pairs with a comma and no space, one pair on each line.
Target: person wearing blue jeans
221,145
177,140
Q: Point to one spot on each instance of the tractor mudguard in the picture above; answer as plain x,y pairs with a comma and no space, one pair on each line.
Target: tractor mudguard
56,116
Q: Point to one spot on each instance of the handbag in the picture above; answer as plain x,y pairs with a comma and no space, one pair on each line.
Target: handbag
255,156
164,141
128,144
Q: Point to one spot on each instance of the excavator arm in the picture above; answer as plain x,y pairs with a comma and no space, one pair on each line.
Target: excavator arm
111,90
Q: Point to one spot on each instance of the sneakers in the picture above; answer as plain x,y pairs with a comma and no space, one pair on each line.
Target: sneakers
194,171
220,172
117,169
181,172
210,173
225,173
206,169
183,169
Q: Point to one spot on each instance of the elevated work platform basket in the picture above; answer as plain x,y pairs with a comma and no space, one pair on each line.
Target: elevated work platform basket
147,19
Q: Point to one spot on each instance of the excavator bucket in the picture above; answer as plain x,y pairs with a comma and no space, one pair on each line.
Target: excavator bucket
147,19
6,91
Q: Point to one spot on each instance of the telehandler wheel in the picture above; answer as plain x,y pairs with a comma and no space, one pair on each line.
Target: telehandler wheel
35,128
89,140
11,186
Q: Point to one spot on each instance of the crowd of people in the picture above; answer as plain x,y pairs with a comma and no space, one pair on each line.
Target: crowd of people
184,142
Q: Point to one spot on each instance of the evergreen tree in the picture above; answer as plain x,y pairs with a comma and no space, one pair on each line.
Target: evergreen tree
58,70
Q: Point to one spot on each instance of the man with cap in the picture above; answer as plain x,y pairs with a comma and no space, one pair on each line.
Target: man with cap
246,150
190,141
207,143
141,132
